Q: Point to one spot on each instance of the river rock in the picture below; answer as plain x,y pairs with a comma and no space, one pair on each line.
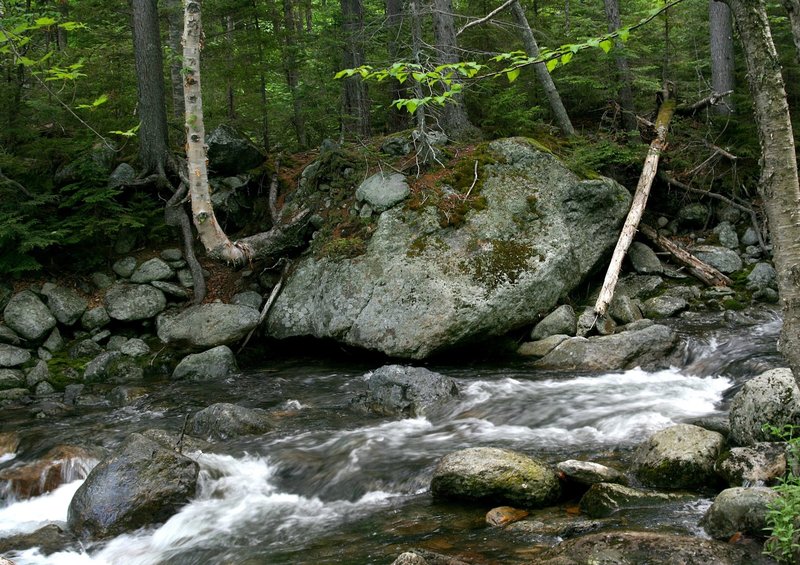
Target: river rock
760,464
8,336
231,152
140,484
629,548
131,302
124,267
47,540
762,276
12,394
679,457
98,369
505,515
154,269
727,235
54,341
624,309
721,258
134,347
60,465
38,373
562,320
207,325
750,237
425,557
222,421
65,304
541,347
12,356
248,298
84,348
613,352
664,306
95,318
28,316
492,474
171,289
643,259
396,390
11,378
215,363
770,398
639,287
604,499
739,510
383,190
419,288
694,214
589,473
177,441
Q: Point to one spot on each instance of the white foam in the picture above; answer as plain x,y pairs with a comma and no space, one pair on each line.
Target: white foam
29,515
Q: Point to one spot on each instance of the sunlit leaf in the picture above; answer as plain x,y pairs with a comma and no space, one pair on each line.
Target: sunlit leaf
44,22
512,74
606,45
552,64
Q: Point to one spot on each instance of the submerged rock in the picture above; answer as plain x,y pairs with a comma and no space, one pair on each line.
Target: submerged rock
605,499
498,475
505,515
420,288
679,457
396,390
140,484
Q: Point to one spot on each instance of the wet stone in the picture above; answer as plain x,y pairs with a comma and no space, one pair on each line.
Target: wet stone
505,515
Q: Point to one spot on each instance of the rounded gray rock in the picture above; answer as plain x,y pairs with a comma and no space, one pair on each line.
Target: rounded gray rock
65,304
130,302
12,356
562,320
95,318
382,191
721,258
643,259
739,509
396,390
770,398
216,363
497,475
28,316
154,269
125,267
222,421
207,325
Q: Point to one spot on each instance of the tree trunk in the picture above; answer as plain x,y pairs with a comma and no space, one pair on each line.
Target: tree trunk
290,66
398,119
231,106
722,65
793,8
649,170
150,86
174,11
262,78
214,239
556,105
416,55
623,70
778,184
455,121
355,102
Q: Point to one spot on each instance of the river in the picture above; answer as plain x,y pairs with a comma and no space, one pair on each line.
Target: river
329,485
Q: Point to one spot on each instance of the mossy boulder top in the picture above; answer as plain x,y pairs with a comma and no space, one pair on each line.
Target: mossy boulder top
534,232
495,475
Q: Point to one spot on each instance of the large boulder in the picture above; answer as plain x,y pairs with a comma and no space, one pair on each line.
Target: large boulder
231,152
623,350
496,475
679,457
130,302
207,325
65,304
215,363
223,421
739,509
760,464
28,316
141,483
629,547
420,288
770,398
395,390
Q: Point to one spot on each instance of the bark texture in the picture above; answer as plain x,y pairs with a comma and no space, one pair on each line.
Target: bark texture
454,121
722,64
174,13
623,69
150,86
532,48
793,8
355,101
398,119
291,69
779,180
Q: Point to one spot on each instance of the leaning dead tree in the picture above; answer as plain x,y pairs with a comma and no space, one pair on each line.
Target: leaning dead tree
217,244
657,146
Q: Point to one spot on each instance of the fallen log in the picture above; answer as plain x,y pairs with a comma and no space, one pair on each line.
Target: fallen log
706,273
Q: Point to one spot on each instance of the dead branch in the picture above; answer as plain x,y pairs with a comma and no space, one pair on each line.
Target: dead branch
175,214
273,194
14,184
276,290
746,209
706,273
721,151
713,100
486,18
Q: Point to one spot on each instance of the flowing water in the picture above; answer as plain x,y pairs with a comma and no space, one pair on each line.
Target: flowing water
330,485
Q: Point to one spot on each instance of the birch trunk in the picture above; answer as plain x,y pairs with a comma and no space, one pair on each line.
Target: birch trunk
174,13
554,99
637,207
778,185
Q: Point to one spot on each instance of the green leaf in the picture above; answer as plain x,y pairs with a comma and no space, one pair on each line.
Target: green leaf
606,45
623,34
512,74
566,58
411,106
419,77
44,22
552,64
341,73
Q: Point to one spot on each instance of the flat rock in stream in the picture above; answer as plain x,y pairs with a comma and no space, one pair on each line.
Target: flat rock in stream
425,557
624,350
215,363
48,539
397,390
630,547
140,484
223,420
604,499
